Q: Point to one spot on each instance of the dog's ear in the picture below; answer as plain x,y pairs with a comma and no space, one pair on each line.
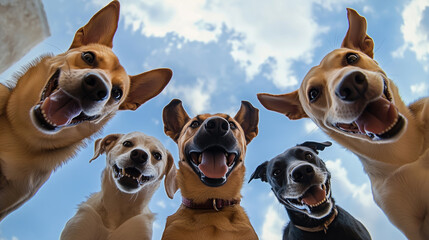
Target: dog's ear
316,145
356,37
174,117
260,173
146,86
170,176
287,104
100,29
102,145
248,118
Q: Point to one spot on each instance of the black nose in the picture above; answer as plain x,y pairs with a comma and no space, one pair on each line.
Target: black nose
94,87
303,173
138,156
217,126
352,87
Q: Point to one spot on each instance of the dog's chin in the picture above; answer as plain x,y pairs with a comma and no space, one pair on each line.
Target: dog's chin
217,176
316,201
130,180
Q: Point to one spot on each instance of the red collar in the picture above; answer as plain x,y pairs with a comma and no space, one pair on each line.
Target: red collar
213,203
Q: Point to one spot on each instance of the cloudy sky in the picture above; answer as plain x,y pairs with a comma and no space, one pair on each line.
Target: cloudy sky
222,52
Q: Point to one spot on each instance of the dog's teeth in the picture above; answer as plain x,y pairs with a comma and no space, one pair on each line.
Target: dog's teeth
123,172
323,187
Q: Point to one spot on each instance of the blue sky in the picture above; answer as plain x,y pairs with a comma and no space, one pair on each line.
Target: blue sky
222,52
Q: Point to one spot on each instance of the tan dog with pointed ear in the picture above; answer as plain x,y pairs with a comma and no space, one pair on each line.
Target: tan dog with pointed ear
211,173
62,100
135,166
350,98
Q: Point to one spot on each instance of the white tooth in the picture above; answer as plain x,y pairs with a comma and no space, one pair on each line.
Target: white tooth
123,172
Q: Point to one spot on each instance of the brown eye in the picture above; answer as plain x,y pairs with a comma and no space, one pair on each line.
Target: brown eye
309,156
157,155
116,93
88,58
127,144
232,125
351,58
195,124
313,94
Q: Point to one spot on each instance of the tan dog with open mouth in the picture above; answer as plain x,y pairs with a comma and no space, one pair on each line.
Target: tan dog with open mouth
350,98
60,101
211,173
135,166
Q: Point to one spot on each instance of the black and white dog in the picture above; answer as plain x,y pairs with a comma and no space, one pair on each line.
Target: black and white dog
301,182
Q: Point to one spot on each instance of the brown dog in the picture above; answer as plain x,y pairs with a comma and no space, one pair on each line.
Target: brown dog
135,166
211,172
62,100
350,98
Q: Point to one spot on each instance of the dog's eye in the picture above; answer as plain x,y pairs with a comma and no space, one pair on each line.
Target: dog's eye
309,156
116,93
277,172
88,57
232,125
195,124
352,58
313,94
157,155
127,144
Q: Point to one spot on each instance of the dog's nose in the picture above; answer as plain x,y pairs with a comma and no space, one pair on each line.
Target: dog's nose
217,126
352,86
94,87
138,156
303,173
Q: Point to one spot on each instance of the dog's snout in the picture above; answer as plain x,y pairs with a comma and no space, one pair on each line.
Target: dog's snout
139,156
217,126
352,86
302,173
94,87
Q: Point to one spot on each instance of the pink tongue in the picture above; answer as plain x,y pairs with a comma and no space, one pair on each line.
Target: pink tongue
314,195
60,109
213,164
377,117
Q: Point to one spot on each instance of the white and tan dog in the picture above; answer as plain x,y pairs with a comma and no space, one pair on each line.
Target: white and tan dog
351,98
59,101
135,166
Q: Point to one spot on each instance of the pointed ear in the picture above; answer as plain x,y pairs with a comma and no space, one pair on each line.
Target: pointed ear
356,37
146,86
170,176
316,145
287,104
248,118
103,145
260,173
100,29
174,117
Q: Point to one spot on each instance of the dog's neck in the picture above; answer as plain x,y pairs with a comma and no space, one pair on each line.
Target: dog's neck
116,207
305,223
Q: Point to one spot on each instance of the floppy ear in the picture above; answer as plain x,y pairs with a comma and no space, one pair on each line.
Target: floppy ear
174,117
316,145
102,145
248,118
356,37
260,173
170,176
287,104
146,86
100,29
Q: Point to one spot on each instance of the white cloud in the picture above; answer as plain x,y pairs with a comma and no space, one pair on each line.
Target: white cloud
277,33
272,228
197,96
415,30
161,204
419,89
310,126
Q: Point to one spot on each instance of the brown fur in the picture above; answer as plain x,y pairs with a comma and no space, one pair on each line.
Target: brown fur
28,155
398,167
229,223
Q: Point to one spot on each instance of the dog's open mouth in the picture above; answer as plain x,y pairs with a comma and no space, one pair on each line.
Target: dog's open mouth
380,120
57,109
213,165
130,177
315,198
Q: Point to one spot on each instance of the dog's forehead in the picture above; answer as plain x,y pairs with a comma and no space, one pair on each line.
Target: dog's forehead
291,154
141,139
203,117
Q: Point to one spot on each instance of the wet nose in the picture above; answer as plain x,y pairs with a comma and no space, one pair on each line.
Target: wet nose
94,87
217,126
139,156
303,173
352,86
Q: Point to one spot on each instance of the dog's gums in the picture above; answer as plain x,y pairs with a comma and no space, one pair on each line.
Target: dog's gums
130,177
